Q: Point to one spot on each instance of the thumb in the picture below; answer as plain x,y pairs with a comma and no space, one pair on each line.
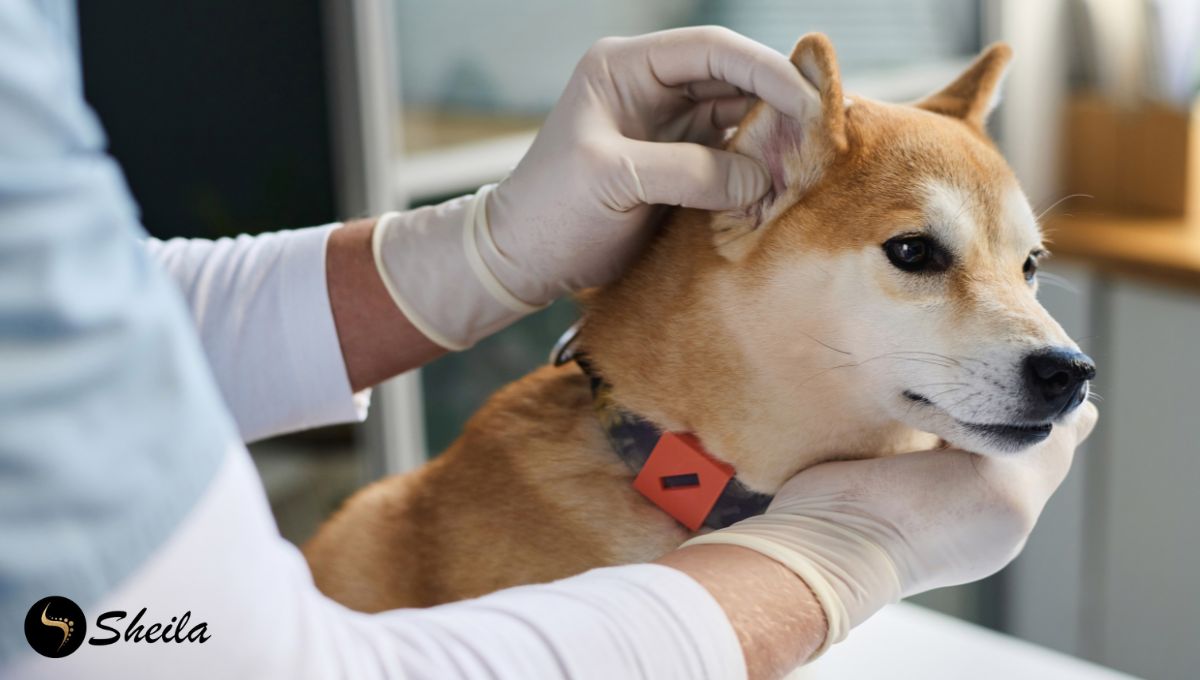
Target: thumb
693,176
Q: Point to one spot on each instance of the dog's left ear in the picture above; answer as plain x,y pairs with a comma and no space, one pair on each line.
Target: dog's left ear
975,93
796,151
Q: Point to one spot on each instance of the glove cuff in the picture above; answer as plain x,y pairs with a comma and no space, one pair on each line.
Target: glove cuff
484,256
835,612
431,262
516,271
850,574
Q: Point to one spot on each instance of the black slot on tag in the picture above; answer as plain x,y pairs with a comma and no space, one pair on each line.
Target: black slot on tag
685,481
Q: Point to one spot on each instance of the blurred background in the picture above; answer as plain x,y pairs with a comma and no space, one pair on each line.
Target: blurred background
232,116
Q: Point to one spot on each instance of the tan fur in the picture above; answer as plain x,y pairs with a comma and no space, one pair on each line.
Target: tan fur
529,493
737,327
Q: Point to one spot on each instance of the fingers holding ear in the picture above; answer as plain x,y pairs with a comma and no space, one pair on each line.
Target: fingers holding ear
701,53
691,175
704,122
708,121
702,90
726,113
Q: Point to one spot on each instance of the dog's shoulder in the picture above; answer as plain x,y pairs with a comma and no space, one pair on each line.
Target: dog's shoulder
542,424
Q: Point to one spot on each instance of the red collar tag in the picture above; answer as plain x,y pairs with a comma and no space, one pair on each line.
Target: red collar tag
683,479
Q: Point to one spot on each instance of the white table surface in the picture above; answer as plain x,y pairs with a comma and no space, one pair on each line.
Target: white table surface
906,641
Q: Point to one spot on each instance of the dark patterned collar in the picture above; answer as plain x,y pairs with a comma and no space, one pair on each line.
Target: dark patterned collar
633,439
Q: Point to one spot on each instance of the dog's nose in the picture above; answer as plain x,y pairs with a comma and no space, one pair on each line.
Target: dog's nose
1057,379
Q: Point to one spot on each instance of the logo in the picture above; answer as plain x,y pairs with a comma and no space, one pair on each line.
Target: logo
55,626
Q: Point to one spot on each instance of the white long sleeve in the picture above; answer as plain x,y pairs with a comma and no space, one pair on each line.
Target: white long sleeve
261,309
228,566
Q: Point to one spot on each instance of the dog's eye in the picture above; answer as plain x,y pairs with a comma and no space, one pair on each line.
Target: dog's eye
1031,264
1030,268
916,254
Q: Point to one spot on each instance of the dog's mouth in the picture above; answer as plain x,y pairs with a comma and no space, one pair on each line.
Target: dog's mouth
1009,435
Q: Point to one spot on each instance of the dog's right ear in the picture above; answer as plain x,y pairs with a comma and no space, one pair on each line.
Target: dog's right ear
795,151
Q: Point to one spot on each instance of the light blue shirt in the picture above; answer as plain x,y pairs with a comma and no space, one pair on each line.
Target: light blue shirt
111,424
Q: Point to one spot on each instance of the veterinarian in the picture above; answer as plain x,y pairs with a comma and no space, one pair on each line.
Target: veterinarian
133,371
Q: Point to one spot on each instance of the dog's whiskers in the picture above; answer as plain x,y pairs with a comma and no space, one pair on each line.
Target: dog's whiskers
914,404
955,405
932,384
823,371
1058,281
922,357
897,355
981,362
1058,203
919,360
952,390
931,354
827,345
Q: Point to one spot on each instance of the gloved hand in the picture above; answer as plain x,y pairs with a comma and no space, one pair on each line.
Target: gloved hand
865,533
630,130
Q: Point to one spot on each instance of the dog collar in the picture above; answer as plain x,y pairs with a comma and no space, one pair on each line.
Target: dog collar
672,469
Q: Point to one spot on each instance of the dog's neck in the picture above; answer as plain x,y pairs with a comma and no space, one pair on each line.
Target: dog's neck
662,336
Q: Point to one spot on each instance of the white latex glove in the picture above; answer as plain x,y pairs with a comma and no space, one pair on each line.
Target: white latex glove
631,129
863,534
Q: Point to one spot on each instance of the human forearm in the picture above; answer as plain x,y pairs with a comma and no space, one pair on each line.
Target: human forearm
261,307
778,621
254,288
377,340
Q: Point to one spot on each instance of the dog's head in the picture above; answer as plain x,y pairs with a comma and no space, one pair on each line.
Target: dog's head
884,287
897,237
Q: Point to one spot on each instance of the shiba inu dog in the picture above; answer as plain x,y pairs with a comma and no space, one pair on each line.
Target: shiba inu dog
879,299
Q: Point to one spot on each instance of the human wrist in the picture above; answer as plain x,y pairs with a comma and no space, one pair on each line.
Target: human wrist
841,560
377,340
778,621
431,261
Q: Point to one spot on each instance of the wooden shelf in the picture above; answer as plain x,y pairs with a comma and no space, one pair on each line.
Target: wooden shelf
1164,250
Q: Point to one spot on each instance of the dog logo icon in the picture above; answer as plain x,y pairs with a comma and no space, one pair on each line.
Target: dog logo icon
55,626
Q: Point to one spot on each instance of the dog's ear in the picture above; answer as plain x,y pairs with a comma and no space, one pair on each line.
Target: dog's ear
795,151
975,93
